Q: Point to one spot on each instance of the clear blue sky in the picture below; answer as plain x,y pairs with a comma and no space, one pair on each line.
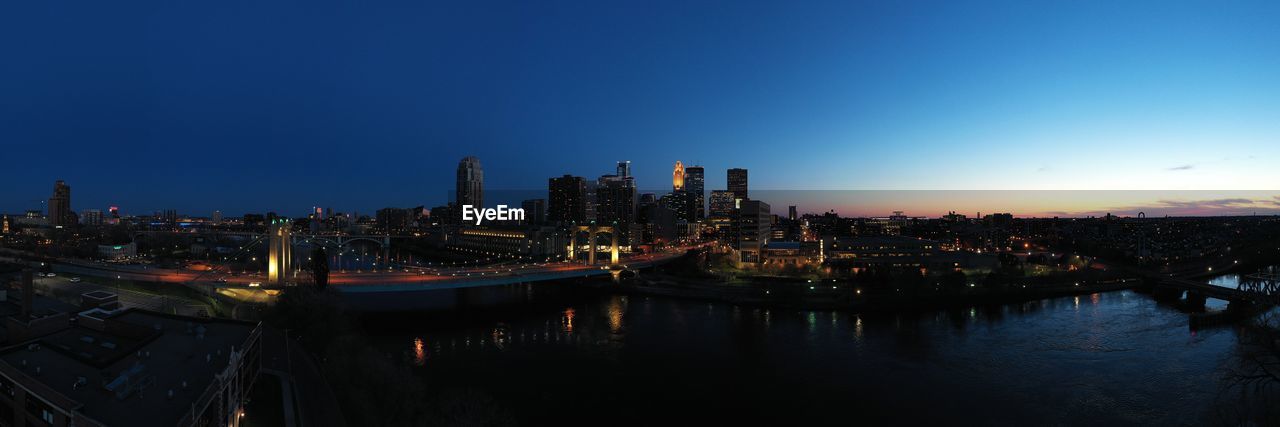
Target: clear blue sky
255,106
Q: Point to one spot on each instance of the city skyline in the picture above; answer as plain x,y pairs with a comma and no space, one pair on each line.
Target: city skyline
832,96
849,203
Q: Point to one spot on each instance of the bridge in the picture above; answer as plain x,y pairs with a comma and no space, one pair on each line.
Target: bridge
1253,289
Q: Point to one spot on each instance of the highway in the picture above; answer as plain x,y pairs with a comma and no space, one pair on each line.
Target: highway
410,278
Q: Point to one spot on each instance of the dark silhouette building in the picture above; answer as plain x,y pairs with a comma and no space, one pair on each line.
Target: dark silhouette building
695,185
60,213
567,199
738,182
470,190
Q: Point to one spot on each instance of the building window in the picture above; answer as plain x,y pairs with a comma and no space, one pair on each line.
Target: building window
37,407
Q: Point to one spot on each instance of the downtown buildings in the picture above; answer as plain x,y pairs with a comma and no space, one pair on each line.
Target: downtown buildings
60,213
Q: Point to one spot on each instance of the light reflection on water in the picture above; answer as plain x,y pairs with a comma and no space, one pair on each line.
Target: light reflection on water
1232,281
1125,359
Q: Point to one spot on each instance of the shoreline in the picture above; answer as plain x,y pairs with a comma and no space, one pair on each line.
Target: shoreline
842,299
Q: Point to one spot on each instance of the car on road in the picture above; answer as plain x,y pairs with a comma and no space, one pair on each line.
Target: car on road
52,275
75,279
255,284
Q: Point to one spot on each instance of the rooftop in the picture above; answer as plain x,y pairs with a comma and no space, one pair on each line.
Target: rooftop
122,374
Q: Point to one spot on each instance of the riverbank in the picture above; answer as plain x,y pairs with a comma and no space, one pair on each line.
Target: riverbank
835,295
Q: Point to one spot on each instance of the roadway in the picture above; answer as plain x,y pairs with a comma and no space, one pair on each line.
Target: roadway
128,298
402,279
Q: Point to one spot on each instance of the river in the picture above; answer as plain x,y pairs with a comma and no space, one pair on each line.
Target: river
573,356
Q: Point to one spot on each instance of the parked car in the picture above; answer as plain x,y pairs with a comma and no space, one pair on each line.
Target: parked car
75,279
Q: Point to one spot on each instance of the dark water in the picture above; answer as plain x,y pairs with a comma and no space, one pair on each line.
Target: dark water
577,357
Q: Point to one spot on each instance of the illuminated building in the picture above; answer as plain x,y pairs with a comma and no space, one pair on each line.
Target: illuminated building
616,203
279,251
793,253
695,185
677,177
510,241
4,225
738,182
721,214
217,217
124,251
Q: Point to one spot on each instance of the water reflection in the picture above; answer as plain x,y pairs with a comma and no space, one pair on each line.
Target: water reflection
566,320
419,352
1124,357
617,308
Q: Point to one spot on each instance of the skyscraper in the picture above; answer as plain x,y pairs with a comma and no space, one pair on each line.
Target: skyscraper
738,182
60,205
616,203
470,189
791,212
624,168
566,199
677,177
217,217
694,184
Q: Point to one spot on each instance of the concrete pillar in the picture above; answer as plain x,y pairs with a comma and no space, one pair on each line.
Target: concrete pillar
613,248
573,245
386,251
591,246
1195,300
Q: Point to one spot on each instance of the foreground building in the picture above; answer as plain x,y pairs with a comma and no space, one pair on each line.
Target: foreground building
106,366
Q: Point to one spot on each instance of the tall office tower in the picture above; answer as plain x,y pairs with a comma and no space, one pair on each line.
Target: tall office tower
752,229
60,205
217,217
279,251
624,168
566,199
589,203
694,181
5,225
791,212
91,217
738,182
535,211
677,177
470,189
616,202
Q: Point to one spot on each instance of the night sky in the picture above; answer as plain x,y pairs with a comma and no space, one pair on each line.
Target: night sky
256,106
